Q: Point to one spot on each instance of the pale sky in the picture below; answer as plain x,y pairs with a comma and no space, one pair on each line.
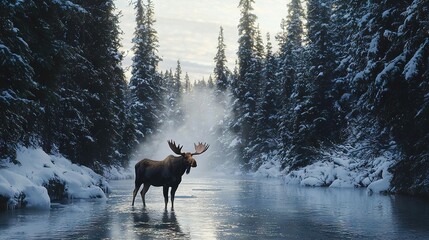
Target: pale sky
188,31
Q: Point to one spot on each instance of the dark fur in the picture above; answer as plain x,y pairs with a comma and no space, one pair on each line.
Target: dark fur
166,173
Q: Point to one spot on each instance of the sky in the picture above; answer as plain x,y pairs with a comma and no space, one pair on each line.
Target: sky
188,31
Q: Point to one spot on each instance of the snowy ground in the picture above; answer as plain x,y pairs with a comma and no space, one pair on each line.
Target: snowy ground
24,183
337,170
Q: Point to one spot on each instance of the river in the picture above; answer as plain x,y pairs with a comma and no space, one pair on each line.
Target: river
238,208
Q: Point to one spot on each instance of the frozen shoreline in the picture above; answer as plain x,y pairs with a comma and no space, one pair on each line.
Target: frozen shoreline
39,177
338,171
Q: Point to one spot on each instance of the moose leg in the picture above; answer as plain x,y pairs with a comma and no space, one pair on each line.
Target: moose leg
143,192
136,189
173,192
166,196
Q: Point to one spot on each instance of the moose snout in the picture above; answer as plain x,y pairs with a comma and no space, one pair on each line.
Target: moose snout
194,164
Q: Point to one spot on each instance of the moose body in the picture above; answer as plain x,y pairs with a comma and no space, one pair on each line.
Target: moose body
166,173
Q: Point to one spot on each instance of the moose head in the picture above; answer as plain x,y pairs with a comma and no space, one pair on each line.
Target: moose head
187,156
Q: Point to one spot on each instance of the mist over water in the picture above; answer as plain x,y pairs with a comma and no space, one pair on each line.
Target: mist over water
204,120
211,205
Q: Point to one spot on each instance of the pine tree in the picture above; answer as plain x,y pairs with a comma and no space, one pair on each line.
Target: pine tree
68,98
398,90
170,97
178,80
108,85
210,83
187,86
313,123
267,114
322,62
343,25
413,32
17,87
174,90
290,72
350,28
144,83
247,86
72,60
221,71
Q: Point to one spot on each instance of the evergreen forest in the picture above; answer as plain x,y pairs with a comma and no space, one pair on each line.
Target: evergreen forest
349,78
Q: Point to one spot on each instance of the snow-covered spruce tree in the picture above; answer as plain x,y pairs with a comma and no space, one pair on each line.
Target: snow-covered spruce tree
344,27
387,69
76,97
187,86
401,89
108,84
178,80
222,83
54,51
177,95
174,91
17,87
144,84
289,74
414,33
322,60
44,32
76,81
210,83
267,114
221,71
367,58
313,124
256,137
354,47
246,88
169,96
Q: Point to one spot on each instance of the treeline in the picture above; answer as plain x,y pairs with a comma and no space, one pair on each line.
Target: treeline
62,85
349,75
63,88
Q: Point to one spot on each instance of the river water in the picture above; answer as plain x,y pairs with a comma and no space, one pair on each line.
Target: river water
213,208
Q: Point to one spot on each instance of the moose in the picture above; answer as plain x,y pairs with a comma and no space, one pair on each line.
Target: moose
166,173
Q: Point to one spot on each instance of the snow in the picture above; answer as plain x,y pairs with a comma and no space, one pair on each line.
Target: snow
118,173
373,46
67,4
270,167
234,142
336,170
23,183
411,67
12,186
386,13
389,69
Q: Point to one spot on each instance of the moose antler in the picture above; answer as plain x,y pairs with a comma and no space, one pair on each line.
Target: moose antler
176,149
200,148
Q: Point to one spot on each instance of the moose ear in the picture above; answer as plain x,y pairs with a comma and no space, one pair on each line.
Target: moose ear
188,169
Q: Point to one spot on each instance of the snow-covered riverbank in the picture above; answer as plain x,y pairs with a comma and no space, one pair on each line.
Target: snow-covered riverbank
37,178
337,170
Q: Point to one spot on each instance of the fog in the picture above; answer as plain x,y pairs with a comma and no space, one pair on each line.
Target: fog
205,117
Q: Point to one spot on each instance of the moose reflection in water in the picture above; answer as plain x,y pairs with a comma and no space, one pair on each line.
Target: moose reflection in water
147,222
166,173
